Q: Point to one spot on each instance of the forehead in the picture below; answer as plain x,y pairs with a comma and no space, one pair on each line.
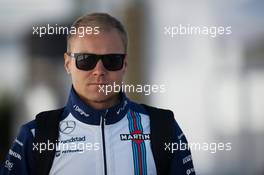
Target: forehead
102,43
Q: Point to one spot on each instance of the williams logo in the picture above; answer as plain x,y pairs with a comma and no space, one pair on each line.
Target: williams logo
136,136
66,127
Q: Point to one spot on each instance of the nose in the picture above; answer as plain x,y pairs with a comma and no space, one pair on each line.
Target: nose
99,69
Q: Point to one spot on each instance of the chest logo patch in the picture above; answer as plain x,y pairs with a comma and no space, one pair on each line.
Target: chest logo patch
67,127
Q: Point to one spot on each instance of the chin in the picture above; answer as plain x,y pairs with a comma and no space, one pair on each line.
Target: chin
93,93
99,97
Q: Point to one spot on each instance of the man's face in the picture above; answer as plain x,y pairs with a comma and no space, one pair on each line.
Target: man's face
86,83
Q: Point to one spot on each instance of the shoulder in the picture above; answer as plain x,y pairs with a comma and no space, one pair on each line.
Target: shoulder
28,129
55,112
147,109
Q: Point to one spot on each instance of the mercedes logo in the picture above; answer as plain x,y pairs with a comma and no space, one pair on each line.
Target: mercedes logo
66,127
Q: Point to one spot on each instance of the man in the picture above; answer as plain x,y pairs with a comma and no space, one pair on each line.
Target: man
99,133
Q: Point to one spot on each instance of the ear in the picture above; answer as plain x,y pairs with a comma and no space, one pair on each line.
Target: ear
67,63
125,65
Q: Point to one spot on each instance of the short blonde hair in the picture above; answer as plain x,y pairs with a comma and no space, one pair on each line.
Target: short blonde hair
106,23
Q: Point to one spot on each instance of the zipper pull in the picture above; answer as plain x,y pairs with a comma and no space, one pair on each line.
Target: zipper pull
104,116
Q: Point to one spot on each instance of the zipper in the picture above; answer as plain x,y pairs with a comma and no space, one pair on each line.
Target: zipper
103,138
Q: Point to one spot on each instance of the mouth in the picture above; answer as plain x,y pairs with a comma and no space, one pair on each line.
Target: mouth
97,84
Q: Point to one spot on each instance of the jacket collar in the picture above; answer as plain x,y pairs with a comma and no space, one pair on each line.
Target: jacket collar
84,113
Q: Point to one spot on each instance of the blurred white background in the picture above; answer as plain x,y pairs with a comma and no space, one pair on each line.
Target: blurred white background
215,86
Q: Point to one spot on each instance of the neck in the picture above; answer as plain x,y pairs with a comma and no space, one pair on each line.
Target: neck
103,104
